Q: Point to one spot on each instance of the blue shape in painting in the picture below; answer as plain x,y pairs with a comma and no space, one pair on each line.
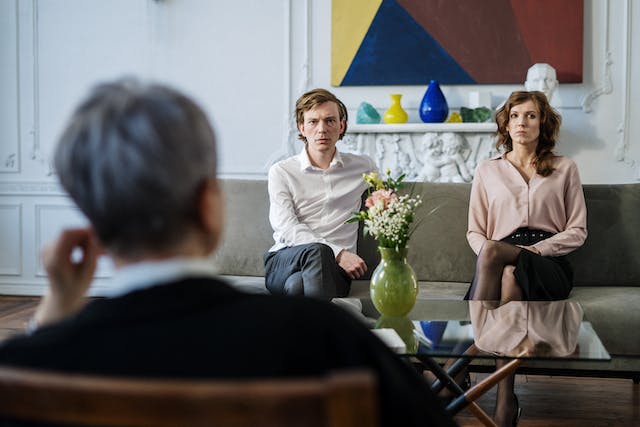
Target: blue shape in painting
396,48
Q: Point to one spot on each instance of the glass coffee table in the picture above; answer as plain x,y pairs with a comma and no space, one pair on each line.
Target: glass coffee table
462,331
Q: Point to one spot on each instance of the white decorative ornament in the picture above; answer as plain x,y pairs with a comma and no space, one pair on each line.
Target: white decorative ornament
542,77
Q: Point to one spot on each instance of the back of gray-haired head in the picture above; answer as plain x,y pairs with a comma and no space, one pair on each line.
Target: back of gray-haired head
134,158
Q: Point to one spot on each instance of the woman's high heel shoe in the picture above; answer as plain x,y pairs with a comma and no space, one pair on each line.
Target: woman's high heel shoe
516,416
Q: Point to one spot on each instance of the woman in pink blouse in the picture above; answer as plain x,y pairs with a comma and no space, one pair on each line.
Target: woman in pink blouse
526,212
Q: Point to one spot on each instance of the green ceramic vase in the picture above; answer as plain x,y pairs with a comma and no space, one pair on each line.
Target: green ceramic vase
394,287
404,327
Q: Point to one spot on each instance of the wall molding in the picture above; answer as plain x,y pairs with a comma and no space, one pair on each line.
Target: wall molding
30,188
28,289
39,287
605,86
16,270
622,147
302,73
37,155
18,158
11,163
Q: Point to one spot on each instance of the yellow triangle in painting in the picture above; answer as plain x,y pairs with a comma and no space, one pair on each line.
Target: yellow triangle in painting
350,20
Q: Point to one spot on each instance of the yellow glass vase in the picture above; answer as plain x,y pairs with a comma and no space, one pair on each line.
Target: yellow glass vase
395,113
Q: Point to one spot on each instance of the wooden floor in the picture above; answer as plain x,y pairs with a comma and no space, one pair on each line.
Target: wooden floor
568,401
546,401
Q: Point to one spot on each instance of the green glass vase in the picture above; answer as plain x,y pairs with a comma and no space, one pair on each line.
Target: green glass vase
394,287
404,327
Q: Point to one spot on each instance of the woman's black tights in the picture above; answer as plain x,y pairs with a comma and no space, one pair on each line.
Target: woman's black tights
494,279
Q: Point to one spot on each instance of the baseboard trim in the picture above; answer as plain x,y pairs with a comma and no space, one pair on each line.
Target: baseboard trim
39,289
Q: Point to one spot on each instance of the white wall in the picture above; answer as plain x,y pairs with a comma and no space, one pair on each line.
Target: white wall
245,61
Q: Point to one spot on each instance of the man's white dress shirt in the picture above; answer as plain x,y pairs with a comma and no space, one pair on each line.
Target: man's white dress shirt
311,205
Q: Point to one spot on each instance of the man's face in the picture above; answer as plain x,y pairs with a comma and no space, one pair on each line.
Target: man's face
322,127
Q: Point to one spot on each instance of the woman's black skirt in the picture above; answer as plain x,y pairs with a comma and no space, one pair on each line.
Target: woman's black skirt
542,278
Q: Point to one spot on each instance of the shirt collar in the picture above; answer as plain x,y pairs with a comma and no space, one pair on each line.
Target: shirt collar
146,274
305,161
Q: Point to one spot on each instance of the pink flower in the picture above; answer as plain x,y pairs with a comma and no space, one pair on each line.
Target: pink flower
386,196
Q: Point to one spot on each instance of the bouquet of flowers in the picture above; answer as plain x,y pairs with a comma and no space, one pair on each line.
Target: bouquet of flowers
388,215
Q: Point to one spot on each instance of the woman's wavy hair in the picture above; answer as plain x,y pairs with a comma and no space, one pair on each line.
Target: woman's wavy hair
550,122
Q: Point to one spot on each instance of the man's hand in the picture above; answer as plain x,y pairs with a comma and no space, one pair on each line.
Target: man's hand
352,264
70,262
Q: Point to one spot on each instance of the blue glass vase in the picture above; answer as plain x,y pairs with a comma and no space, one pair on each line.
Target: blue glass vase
433,108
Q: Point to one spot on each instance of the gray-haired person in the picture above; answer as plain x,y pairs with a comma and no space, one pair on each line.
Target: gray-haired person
140,161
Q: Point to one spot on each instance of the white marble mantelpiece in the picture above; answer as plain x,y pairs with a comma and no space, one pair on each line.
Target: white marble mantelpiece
439,152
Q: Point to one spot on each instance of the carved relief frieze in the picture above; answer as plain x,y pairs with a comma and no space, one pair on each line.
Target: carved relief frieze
447,156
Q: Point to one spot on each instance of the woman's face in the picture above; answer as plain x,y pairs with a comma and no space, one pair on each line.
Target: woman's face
524,123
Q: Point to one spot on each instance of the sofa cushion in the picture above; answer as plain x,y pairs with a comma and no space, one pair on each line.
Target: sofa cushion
249,284
247,232
613,312
611,254
438,248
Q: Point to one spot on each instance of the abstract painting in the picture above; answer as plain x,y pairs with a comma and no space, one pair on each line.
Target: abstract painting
410,42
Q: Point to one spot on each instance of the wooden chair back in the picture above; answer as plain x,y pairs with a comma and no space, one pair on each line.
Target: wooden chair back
340,399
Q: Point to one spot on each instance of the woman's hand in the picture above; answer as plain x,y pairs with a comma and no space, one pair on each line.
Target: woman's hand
70,262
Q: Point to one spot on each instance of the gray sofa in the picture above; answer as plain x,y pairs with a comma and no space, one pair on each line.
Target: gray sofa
607,267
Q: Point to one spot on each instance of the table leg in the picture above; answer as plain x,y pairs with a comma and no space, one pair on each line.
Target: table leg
467,399
445,378
471,395
456,368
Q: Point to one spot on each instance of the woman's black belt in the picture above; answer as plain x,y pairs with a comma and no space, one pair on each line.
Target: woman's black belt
526,233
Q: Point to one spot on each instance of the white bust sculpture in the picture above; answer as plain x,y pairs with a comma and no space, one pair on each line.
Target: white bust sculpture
542,77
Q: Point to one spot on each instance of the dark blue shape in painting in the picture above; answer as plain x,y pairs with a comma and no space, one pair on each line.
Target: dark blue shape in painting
398,51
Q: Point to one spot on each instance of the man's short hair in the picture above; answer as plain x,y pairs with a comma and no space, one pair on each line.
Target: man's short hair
312,99
134,158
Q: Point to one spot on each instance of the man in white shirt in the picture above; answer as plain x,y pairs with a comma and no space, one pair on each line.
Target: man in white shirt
312,196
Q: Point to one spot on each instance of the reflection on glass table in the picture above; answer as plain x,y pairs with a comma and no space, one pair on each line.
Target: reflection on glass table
465,330
518,329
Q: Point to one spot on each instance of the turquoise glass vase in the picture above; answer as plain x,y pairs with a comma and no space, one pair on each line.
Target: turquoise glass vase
434,107
394,287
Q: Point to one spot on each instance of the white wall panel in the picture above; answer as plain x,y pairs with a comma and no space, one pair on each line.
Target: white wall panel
76,44
633,115
9,100
50,220
10,240
231,56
